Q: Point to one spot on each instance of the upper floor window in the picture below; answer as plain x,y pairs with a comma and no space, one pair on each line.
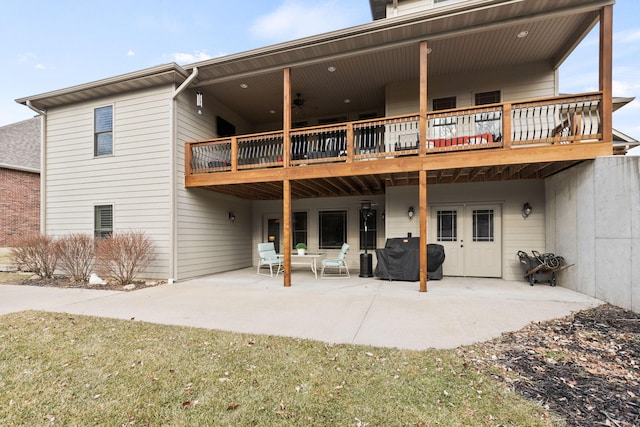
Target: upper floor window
103,131
490,121
443,127
483,98
103,221
444,103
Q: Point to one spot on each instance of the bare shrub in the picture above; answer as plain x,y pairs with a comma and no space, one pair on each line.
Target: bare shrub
36,254
123,256
76,255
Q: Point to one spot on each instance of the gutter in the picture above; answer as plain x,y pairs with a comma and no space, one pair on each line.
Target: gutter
19,168
173,149
40,112
185,83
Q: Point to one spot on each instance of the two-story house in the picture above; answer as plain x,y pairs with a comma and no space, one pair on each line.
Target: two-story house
445,116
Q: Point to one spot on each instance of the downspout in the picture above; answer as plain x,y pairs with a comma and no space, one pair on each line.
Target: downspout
43,164
173,229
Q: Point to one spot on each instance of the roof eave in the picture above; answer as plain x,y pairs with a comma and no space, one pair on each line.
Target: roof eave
38,101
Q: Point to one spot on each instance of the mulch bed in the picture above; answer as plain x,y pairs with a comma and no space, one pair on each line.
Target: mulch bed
584,367
66,282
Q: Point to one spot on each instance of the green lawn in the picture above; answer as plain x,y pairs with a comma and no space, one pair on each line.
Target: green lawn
60,369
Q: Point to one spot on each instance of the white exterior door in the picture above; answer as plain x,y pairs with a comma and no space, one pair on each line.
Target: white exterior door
472,238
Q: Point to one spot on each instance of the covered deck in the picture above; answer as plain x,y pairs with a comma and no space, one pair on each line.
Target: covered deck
350,113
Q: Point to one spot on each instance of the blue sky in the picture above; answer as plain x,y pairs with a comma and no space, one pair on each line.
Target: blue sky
49,45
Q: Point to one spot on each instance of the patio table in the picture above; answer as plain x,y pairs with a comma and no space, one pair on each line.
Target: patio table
309,259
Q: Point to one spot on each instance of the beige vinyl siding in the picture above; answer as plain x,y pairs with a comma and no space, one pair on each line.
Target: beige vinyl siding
207,242
517,233
523,82
135,179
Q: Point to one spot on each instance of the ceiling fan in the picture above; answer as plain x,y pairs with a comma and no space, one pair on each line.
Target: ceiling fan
298,102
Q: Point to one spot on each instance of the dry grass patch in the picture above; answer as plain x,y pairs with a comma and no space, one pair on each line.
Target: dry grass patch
74,370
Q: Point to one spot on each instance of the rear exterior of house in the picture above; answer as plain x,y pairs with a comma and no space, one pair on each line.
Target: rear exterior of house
448,109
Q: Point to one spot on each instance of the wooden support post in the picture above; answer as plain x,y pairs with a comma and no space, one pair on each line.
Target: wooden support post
286,244
350,142
424,213
286,184
286,118
606,63
422,151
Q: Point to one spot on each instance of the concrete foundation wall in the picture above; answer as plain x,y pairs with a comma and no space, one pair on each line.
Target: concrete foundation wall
593,220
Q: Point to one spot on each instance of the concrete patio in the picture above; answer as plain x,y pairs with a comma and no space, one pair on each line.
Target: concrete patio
454,311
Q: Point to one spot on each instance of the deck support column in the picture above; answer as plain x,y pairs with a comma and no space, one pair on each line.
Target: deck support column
286,184
606,55
424,213
286,217
424,51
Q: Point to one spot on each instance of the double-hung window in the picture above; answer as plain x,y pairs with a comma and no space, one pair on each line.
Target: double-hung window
103,131
103,221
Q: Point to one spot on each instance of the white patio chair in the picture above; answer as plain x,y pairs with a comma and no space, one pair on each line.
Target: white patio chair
268,258
336,265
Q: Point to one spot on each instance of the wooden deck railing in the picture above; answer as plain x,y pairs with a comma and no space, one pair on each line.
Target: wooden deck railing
557,120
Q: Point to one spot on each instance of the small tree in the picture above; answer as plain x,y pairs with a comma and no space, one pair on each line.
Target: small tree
123,256
37,254
76,254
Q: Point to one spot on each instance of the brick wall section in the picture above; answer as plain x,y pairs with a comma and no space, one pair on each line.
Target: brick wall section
19,204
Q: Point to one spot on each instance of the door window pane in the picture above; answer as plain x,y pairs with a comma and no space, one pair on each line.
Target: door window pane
447,226
333,229
483,225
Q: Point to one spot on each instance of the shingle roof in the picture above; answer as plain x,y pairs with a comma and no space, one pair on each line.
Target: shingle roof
20,145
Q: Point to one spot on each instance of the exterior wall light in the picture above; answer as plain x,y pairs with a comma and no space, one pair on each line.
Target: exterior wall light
199,101
232,217
411,213
526,210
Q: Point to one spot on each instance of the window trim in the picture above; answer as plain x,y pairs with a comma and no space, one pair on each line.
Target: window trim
96,133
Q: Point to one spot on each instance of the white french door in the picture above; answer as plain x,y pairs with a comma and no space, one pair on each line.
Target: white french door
472,238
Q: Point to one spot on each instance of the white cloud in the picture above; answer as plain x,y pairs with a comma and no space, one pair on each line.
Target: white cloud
40,67
131,53
187,58
295,19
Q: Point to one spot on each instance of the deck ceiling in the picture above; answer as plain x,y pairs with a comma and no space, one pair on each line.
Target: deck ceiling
386,51
368,185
